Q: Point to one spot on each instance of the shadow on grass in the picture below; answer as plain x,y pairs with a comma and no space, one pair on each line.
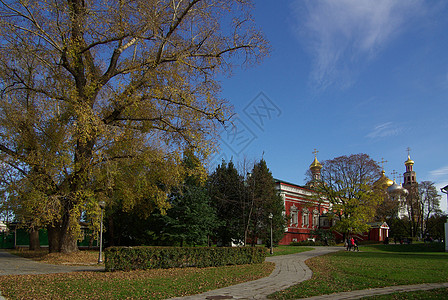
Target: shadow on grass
419,247
382,255
374,266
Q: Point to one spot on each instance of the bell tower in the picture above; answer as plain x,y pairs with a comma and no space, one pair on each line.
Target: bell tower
409,178
315,167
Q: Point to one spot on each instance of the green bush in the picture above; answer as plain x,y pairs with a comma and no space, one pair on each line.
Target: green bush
311,243
141,258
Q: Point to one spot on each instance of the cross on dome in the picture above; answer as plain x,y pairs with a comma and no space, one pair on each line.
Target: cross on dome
394,174
382,163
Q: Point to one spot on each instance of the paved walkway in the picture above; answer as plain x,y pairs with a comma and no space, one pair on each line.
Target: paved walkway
15,265
289,270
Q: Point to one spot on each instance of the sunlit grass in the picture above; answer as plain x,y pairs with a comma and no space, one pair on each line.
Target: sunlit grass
374,266
436,294
285,250
150,284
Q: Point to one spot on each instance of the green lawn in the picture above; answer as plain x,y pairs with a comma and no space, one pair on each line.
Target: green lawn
285,250
436,294
150,284
373,266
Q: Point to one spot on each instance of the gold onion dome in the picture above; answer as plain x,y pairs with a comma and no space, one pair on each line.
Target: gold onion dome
396,189
316,164
409,161
384,181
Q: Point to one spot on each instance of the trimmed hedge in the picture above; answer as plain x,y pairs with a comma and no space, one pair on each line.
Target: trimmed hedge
311,243
141,258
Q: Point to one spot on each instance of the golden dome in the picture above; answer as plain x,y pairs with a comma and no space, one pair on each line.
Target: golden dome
384,181
316,164
409,161
397,190
389,182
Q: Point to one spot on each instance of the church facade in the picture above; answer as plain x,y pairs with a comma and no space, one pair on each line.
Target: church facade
306,211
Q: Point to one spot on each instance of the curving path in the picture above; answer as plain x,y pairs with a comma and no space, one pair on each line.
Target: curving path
289,270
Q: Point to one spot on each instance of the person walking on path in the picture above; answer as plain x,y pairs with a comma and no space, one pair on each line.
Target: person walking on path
289,270
355,245
352,243
348,244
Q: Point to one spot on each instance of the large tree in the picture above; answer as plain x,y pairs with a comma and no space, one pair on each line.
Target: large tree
99,98
435,226
190,220
429,203
348,184
229,197
264,201
413,208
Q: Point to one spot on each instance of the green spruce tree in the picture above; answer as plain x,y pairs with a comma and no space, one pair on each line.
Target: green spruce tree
228,195
264,200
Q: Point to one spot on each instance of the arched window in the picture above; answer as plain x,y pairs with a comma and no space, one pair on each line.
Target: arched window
315,218
294,216
305,217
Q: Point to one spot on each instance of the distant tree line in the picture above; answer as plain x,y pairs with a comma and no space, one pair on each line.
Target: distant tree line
226,208
424,217
350,184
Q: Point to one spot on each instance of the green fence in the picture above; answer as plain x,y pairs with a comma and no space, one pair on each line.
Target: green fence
20,238
6,240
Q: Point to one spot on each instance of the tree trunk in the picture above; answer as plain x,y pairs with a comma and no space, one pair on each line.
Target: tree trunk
60,238
34,239
54,244
111,232
69,242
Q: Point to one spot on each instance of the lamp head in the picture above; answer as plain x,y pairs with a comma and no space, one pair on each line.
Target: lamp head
102,204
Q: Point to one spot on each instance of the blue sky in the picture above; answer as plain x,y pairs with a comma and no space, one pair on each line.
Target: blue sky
345,77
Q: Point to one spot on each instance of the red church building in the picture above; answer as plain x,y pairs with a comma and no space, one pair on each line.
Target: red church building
307,211
304,211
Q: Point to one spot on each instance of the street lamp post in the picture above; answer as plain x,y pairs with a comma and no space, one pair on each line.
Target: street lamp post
102,205
445,191
272,243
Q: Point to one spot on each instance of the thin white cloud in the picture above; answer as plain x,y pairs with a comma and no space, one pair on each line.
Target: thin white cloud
440,177
439,172
385,130
340,35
